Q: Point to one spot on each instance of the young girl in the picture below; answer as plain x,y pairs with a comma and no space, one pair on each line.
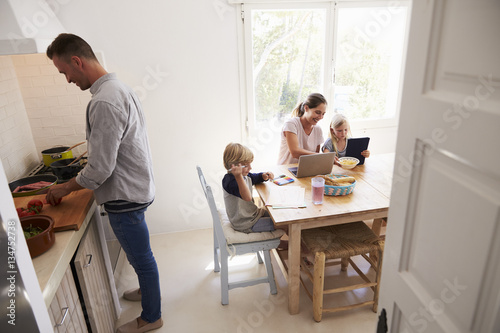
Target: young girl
300,135
340,131
242,212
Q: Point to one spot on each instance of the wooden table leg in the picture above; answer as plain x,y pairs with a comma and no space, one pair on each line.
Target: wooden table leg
294,268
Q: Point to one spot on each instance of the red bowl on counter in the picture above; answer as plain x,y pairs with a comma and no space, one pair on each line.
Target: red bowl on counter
42,242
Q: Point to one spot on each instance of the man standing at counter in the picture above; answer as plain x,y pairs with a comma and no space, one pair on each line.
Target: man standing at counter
119,168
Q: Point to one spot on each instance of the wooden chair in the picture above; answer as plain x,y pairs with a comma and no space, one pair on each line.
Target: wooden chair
340,243
229,242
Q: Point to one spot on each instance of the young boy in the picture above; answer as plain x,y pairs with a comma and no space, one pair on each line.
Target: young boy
242,212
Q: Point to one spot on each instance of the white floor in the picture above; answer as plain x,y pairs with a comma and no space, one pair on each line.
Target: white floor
191,294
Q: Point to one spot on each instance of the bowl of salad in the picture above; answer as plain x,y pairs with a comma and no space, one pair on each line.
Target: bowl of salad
39,233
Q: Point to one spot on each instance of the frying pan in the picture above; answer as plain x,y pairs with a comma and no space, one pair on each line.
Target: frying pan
30,180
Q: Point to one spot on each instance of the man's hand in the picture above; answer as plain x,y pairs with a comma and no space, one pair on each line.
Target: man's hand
57,192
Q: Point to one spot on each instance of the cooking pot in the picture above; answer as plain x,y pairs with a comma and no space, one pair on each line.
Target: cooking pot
55,154
64,171
58,153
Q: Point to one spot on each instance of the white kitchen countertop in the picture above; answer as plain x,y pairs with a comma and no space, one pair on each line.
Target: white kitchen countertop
51,266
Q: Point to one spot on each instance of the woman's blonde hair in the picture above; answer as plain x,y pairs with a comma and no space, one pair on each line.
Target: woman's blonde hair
338,120
236,153
312,101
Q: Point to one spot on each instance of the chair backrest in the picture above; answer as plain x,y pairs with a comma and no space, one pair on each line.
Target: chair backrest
221,239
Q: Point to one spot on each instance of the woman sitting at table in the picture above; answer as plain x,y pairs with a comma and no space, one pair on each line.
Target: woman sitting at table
300,135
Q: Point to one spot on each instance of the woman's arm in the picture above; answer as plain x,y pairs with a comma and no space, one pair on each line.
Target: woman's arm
292,142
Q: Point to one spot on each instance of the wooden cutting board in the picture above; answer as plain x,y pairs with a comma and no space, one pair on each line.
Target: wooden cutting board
69,214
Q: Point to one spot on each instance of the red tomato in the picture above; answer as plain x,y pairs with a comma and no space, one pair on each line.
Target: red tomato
22,212
35,205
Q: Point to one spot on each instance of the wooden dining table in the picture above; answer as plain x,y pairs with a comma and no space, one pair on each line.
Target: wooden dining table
369,200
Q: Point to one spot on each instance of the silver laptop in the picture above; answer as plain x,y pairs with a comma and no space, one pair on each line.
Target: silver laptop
312,165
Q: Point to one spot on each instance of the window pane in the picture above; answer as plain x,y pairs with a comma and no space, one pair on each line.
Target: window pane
288,64
288,57
369,54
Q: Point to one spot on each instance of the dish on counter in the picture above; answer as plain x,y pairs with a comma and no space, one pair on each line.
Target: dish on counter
32,185
44,240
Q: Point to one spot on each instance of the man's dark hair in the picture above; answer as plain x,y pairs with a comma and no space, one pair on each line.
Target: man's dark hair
67,45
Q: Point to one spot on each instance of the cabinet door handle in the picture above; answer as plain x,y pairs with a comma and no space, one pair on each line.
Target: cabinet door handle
90,259
66,310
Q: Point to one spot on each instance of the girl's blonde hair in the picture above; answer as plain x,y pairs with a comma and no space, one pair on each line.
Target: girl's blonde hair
236,153
312,101
338,120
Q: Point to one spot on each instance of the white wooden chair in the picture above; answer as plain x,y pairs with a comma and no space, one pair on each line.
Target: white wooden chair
229,242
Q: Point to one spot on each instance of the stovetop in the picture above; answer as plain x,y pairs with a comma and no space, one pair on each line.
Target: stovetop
42,169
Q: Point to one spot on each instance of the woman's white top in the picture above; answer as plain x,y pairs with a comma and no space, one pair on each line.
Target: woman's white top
309,142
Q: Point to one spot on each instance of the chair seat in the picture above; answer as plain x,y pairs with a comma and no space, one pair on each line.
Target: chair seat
341,241
237,237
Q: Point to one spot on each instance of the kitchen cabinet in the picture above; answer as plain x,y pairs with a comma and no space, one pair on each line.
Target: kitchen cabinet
93,279
97,282
65,310
50,286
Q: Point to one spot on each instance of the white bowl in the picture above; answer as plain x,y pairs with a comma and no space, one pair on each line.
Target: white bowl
348,162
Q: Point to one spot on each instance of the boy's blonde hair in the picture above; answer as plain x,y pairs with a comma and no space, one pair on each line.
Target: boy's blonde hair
236,153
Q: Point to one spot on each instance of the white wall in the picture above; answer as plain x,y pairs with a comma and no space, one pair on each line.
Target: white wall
17,149
55,109
192,100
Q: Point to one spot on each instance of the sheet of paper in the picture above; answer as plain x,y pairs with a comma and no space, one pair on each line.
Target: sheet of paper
286,197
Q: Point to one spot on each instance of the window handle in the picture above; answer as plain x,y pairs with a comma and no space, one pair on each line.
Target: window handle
333,73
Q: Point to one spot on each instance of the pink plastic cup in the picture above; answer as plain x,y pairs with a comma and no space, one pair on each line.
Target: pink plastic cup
318,190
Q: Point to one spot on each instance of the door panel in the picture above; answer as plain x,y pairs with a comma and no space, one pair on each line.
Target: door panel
449,287
442,257
458,44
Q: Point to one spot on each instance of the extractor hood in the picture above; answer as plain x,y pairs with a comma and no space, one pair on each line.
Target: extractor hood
28,26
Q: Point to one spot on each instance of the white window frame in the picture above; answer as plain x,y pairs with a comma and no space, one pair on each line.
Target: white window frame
245,52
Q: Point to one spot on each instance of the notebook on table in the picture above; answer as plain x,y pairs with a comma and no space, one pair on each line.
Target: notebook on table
312,165
355,146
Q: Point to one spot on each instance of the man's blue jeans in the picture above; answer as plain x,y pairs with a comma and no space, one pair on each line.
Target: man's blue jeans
132,232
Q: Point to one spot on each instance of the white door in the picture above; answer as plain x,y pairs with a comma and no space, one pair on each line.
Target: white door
441,269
